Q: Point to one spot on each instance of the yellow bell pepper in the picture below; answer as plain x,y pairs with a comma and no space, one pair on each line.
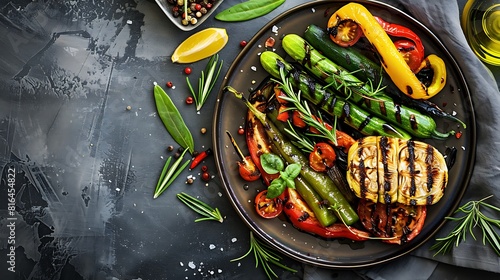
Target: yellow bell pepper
391,59
439,77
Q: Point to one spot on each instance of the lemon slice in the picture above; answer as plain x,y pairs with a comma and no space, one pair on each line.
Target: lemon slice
200,45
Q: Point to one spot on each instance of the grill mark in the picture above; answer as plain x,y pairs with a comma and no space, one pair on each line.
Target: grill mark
384,148
411,164
413,122
397,112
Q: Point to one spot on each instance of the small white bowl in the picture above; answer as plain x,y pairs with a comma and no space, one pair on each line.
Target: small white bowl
167,9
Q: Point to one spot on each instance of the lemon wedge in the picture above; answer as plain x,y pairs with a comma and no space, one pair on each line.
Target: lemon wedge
200,45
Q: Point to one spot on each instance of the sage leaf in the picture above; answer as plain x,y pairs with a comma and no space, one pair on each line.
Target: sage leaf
172,119
248,10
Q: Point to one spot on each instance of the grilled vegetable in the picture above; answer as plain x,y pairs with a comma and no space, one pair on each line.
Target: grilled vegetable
350,113
396,223
318,181
365,69
304,219
415,123
389,170
393,62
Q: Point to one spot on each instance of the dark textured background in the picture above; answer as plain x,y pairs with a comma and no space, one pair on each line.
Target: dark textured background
86,166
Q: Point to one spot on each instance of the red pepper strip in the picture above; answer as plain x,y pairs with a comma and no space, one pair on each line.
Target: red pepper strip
397,30
303,218
200,157
258,144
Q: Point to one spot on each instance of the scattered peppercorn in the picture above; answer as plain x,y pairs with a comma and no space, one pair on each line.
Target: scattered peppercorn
129,107
241,131
170,84
458,134
189,100
195,10
188,70
170,148
243,43
189,181
204,168
203,130
205,176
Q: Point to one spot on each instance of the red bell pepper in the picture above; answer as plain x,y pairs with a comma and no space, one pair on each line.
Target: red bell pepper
396,30
302,217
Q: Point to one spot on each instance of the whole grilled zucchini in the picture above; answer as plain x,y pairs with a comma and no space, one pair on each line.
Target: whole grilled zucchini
389,170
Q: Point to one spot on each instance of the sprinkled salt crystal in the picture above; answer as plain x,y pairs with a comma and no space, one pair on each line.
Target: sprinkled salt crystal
253,68
117,189
274,29
219,270
234,239
181,263
313,10
191,265
220,194
463,148
284,225
129,21
453,113
212,246
260,46
221,249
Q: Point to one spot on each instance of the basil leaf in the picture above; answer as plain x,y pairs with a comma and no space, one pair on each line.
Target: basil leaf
248,10
293,170
289,182
172,119
276,188
271,163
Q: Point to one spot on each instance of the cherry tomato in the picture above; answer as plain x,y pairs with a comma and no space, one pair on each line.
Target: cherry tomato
397,222
345,32
322,157
248,170
268,207
411,54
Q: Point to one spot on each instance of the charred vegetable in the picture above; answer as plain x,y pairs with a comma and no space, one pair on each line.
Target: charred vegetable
389,170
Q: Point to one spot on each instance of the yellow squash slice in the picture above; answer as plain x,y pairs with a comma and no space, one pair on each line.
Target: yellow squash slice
389,170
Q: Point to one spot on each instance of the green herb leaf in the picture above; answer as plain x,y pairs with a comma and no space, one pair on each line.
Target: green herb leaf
172,119
271,163
276,188
168,174
293,170
248,10
472,217
206,82
266,256
201,208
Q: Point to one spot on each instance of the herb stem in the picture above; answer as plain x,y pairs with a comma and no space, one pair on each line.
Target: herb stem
200,207
263,254
206,82
168,174
472,218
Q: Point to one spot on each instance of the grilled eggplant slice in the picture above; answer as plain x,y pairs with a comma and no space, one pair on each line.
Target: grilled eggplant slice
389,170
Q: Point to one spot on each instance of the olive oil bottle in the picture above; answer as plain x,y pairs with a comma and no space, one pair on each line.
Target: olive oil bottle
481,25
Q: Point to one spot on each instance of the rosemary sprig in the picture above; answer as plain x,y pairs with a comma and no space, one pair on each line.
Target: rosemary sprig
299,139
472,218
200,207
265,256
206,82
303,107
168,174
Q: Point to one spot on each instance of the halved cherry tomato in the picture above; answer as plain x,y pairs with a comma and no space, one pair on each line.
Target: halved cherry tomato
397,222
411,54
345,32
248,170
268,207
322,157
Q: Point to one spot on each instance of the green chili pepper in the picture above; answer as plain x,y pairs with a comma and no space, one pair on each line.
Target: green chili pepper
248,10
172,119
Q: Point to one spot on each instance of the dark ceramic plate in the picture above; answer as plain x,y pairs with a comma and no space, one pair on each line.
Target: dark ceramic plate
246,73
